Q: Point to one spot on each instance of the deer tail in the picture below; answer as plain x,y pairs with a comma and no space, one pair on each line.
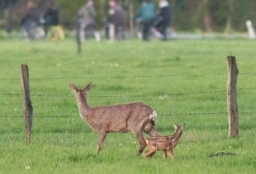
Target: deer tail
153,116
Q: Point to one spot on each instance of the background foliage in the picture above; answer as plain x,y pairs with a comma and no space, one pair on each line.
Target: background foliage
188,15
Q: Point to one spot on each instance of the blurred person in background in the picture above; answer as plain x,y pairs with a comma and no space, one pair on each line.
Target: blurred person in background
52,28
163,19
115,18
86,17
31,19
51,16
146,15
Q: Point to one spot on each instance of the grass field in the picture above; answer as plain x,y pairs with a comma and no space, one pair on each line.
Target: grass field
183,80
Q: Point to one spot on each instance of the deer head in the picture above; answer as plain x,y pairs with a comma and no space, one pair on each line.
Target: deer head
81,98
176,127
78,91
178,132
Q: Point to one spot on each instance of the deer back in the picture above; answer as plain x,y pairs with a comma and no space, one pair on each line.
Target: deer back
121,117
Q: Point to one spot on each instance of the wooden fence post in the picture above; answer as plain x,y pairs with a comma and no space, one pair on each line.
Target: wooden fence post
27,104
232,110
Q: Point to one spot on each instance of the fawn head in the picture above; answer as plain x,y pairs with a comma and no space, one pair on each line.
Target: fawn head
179,128
82,91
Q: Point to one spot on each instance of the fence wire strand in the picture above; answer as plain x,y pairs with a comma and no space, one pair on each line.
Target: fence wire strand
120,77
163,114
125,96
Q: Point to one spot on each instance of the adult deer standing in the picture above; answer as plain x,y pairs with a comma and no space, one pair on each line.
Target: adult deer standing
136,117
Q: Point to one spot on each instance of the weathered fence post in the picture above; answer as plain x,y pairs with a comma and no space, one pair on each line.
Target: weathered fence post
232,110
27,104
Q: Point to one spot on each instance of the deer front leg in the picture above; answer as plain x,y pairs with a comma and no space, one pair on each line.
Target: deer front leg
102,136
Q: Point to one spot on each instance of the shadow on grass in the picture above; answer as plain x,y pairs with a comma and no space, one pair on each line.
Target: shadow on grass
75,158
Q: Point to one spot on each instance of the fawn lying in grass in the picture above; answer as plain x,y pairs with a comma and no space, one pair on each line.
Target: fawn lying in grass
165,143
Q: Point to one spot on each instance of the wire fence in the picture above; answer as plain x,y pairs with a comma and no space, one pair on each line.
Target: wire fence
131,96
118,96
45,116
120,77
169,114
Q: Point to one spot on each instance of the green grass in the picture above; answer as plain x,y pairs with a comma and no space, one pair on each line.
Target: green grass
183,80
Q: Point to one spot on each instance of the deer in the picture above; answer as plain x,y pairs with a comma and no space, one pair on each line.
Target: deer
134,117
164,143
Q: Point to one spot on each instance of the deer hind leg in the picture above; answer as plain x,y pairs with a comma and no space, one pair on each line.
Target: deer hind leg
141,141
149,128
150,152
102,136
170,151
164,154
152,132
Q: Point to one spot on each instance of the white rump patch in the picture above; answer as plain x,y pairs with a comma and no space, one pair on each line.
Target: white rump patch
153,116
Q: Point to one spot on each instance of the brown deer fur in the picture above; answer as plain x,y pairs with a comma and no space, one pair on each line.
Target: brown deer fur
165,143
135,117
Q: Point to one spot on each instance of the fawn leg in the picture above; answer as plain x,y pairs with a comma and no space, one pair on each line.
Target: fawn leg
170,151
164,154
150,152
102,136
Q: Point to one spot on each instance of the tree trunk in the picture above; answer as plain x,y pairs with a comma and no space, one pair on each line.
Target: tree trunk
208,22
8,19
228,25
230,11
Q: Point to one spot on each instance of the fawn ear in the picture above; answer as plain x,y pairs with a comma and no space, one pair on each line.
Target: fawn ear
175,126
87,87
183,126
73,87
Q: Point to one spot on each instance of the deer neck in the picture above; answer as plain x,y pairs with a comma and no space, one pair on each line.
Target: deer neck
176,136
82,106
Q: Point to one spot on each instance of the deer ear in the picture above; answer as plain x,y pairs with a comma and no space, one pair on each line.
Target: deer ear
87,87
183,126
175,126
73,87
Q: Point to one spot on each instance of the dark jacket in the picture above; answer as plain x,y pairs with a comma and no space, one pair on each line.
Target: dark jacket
51,17
31,16
164,16
116,15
